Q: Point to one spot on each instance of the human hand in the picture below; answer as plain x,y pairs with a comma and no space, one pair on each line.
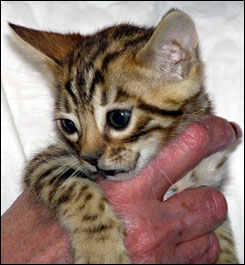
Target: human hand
174,231
31,235
179,230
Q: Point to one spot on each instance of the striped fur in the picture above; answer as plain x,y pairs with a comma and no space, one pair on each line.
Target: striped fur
156,74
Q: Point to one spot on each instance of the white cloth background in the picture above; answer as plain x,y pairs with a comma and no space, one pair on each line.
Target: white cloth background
26,95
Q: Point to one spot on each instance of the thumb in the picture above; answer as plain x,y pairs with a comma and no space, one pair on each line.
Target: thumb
199,140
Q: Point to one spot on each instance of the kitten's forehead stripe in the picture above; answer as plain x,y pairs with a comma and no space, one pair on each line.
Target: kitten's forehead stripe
69,90
67,105
80,81
102,47
81,87
121,93
98,78
70,63
104,98
108,58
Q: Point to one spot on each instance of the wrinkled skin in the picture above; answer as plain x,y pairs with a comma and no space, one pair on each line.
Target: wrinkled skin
178,230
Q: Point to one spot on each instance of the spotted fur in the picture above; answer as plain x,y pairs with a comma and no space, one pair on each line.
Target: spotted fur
156,74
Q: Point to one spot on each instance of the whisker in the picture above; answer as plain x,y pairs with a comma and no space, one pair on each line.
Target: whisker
66,167
169,180
77,170
165,175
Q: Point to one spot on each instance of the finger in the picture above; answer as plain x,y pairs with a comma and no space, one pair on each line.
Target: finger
192,213
199,140
201,250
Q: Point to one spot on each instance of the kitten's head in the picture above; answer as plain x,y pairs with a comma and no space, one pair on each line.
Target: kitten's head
125,91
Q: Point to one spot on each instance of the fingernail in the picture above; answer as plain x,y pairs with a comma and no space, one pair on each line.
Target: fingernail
237,129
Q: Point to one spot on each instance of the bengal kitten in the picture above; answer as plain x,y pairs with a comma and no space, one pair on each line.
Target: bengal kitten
121,94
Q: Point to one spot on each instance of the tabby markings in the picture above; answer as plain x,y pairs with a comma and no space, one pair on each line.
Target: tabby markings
104,98
156,110
69,90
136,136
98,229
88,217
122,94
66,196
98,78
68,173
38,185
108,58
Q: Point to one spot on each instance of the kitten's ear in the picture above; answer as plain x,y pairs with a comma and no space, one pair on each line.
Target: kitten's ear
54,46
173,46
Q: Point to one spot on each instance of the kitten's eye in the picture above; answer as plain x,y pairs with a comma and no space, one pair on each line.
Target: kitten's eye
118,119
68,126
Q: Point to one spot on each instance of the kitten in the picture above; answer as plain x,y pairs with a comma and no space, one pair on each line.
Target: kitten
121,94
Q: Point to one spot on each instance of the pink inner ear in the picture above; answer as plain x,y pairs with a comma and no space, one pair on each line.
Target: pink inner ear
173,52
169,58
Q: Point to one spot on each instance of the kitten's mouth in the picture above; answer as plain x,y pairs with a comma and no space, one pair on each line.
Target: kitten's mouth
112,172
115,175
109,174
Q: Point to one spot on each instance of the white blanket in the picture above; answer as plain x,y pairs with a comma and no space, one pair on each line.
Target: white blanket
26,95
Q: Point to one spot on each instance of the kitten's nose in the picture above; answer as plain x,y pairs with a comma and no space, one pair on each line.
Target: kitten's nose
92,158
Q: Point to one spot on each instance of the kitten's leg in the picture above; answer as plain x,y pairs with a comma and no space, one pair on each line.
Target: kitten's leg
55,178
227,249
